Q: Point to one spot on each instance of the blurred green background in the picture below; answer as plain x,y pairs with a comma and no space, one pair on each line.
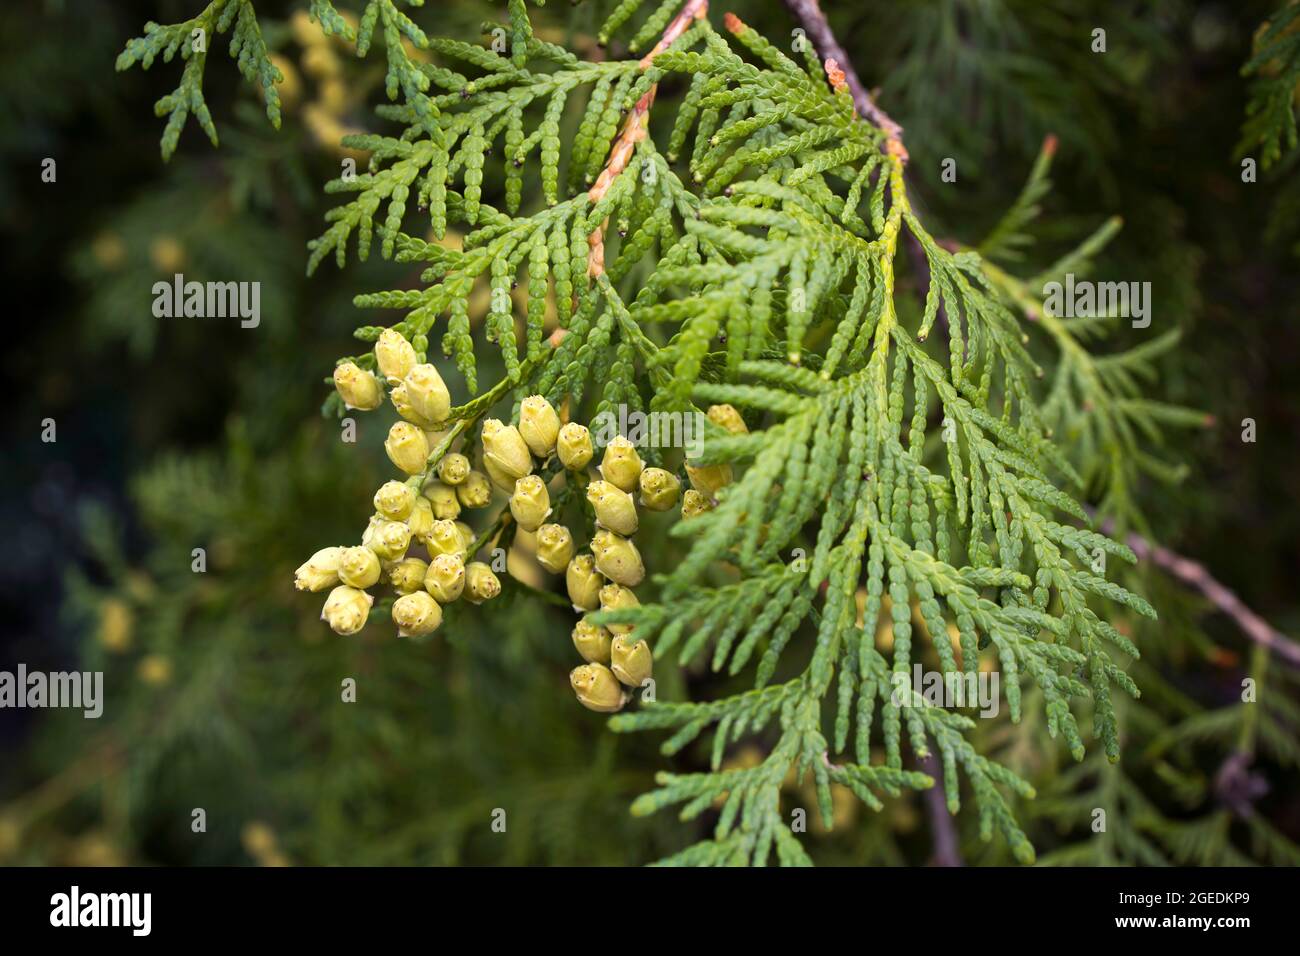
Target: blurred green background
223,687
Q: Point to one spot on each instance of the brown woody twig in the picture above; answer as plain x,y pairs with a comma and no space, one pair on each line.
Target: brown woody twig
1196,576
634,130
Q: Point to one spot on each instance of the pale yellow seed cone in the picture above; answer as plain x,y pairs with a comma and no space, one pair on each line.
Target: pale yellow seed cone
407,447
630,660
530,504
597,688
617,558
660,489
583,583
574,446
475,491
539,425
443,498
481,584
394,500
389,540
320,571
615,597
445,579
554,547
427,393
358,388
592,642
614,507
407,575
727,417
621,465
359,568
505,449
453,469
346,610
394,355
445,538
416,614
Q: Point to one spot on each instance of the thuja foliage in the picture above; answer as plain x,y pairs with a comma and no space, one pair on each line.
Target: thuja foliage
191,39
1274,69
744,250
1269,130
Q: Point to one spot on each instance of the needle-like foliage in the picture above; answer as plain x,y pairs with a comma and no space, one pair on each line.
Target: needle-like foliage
1275,71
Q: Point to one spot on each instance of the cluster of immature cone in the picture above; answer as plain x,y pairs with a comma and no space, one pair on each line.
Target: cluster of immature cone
424,510
604,578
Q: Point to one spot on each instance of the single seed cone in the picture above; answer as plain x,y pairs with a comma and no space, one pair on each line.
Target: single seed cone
592,642
359,568
421,519
480,583
617,558
621,465
394,355
401,400
726,416
501,479
539,425
630,660
446,505
445,579
475,491
709,479
394,500
530,503
416,614
407,447
453,469
574,446
390,540
554,547
358,388
614,507
407,575
693,504
583,582
615,597
346,610
427,393
504,448
660,489
445,538
320,571
597,688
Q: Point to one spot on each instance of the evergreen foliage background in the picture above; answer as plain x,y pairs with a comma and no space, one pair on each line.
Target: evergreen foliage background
178,433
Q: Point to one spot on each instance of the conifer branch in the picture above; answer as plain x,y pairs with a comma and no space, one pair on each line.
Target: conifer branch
1274,68
810,16
779,244
634,130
